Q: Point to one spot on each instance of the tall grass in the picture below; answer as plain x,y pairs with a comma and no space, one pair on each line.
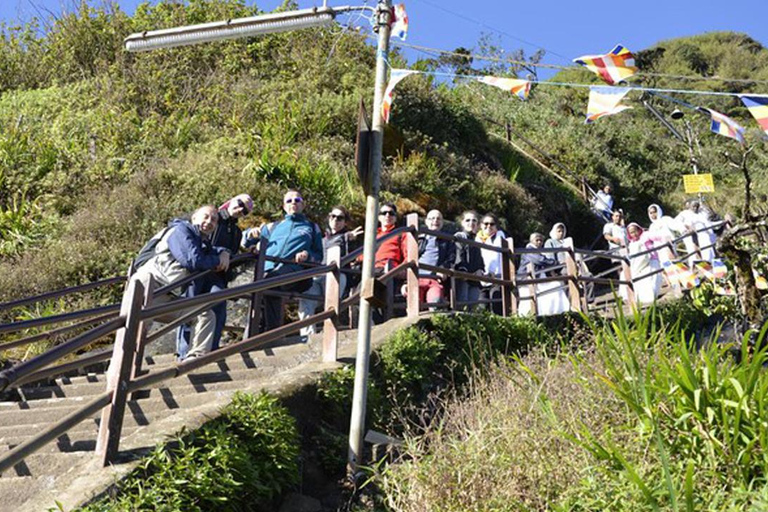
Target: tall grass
640,420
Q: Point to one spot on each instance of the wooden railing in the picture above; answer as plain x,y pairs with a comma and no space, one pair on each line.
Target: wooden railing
130,319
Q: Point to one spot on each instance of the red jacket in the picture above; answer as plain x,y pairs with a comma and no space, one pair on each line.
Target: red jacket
393,249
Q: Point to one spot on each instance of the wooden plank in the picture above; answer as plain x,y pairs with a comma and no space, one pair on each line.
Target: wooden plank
332,301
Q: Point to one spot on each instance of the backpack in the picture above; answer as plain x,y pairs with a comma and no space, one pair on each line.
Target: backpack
148,251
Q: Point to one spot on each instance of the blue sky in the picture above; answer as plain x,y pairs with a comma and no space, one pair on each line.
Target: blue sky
566,29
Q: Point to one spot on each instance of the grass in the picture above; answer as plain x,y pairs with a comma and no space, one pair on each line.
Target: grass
638,420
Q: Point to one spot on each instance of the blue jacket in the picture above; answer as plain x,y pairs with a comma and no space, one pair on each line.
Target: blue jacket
188,248
290,236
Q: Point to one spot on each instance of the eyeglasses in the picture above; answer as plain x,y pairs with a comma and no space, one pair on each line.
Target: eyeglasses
333,216
489,223
242,205
387,212
294,200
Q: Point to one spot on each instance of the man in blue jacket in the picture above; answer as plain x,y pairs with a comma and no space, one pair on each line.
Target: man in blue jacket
183,249
227,236
294,240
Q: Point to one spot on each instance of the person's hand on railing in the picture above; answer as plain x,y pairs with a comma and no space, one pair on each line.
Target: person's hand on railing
223,261
301,256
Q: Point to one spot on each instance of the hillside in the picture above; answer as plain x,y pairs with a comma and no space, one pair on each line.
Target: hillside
99,148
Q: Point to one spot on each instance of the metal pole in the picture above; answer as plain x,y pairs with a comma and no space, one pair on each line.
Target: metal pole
357,419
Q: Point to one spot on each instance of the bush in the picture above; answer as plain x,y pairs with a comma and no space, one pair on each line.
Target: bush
242,460
640,421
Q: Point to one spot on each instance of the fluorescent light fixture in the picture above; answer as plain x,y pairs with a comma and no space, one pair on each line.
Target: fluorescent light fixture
230,29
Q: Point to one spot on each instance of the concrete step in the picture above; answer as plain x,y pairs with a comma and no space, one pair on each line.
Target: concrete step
39,464
53,396
200,379
73,441
159,401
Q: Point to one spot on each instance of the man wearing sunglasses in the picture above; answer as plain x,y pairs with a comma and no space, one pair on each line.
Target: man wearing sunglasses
292,241
226,236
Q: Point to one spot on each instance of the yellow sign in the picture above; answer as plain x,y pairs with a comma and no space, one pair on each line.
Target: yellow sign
698,183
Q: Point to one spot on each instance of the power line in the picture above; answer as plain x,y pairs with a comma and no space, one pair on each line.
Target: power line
561,67
489,27
589,86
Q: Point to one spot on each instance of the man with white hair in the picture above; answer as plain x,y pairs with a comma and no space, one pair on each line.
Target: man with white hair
181,250
436,252
226,236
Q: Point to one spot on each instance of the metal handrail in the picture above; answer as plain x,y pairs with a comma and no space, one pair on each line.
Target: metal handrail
27,448
175,306
54,319
59,293
98,357
54,332
13,374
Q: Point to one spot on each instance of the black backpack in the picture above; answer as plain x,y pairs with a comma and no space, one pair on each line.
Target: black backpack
146,252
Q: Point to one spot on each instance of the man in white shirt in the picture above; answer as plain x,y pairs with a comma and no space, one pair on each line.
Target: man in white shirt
614,231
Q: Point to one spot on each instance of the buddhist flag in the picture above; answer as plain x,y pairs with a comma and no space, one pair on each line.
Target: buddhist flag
394,78
758,107
520,88
724,125
711,271
680,275
400,25
612,67
760,282
604,101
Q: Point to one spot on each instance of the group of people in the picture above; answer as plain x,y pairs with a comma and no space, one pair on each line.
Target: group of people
212,236
647,247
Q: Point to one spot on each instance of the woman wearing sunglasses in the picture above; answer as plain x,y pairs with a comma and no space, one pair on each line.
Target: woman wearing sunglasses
490,234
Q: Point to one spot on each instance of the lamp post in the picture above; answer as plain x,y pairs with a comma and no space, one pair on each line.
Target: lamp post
294,20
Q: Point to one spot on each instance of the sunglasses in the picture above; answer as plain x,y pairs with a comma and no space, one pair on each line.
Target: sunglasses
489,223
243,206
294,200
470,220
387,212
333,216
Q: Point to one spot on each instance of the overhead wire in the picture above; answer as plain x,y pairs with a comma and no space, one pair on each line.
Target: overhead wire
588,86
562,67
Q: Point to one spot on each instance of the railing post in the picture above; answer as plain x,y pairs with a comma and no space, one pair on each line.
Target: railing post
532,290
332,301
572,270
138,354
119,372
412,257
508,299
626,275
585,295
254,310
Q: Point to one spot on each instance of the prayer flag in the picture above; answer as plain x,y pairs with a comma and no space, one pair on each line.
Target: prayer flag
724,125
719,270
400,25
520,88
758,107
394,78
614,67
680,275
711,271
760,281
604,101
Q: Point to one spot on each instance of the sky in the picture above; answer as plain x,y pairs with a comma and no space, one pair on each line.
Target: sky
564,28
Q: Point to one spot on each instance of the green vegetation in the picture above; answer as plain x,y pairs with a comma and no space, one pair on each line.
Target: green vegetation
640,420
99,148
243,460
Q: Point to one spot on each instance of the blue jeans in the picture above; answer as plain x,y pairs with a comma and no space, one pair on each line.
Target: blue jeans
184,333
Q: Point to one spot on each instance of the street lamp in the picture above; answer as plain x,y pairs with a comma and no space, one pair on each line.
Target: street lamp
294,20
232,29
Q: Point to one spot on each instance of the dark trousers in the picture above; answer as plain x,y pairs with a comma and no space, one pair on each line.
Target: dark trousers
493,292
273,305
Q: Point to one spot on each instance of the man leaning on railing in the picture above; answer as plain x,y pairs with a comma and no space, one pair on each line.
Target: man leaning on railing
184,248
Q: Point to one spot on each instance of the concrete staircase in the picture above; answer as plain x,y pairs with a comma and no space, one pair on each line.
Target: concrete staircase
67,470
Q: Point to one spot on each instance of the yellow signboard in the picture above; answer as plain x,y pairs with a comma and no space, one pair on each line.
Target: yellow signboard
698,183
